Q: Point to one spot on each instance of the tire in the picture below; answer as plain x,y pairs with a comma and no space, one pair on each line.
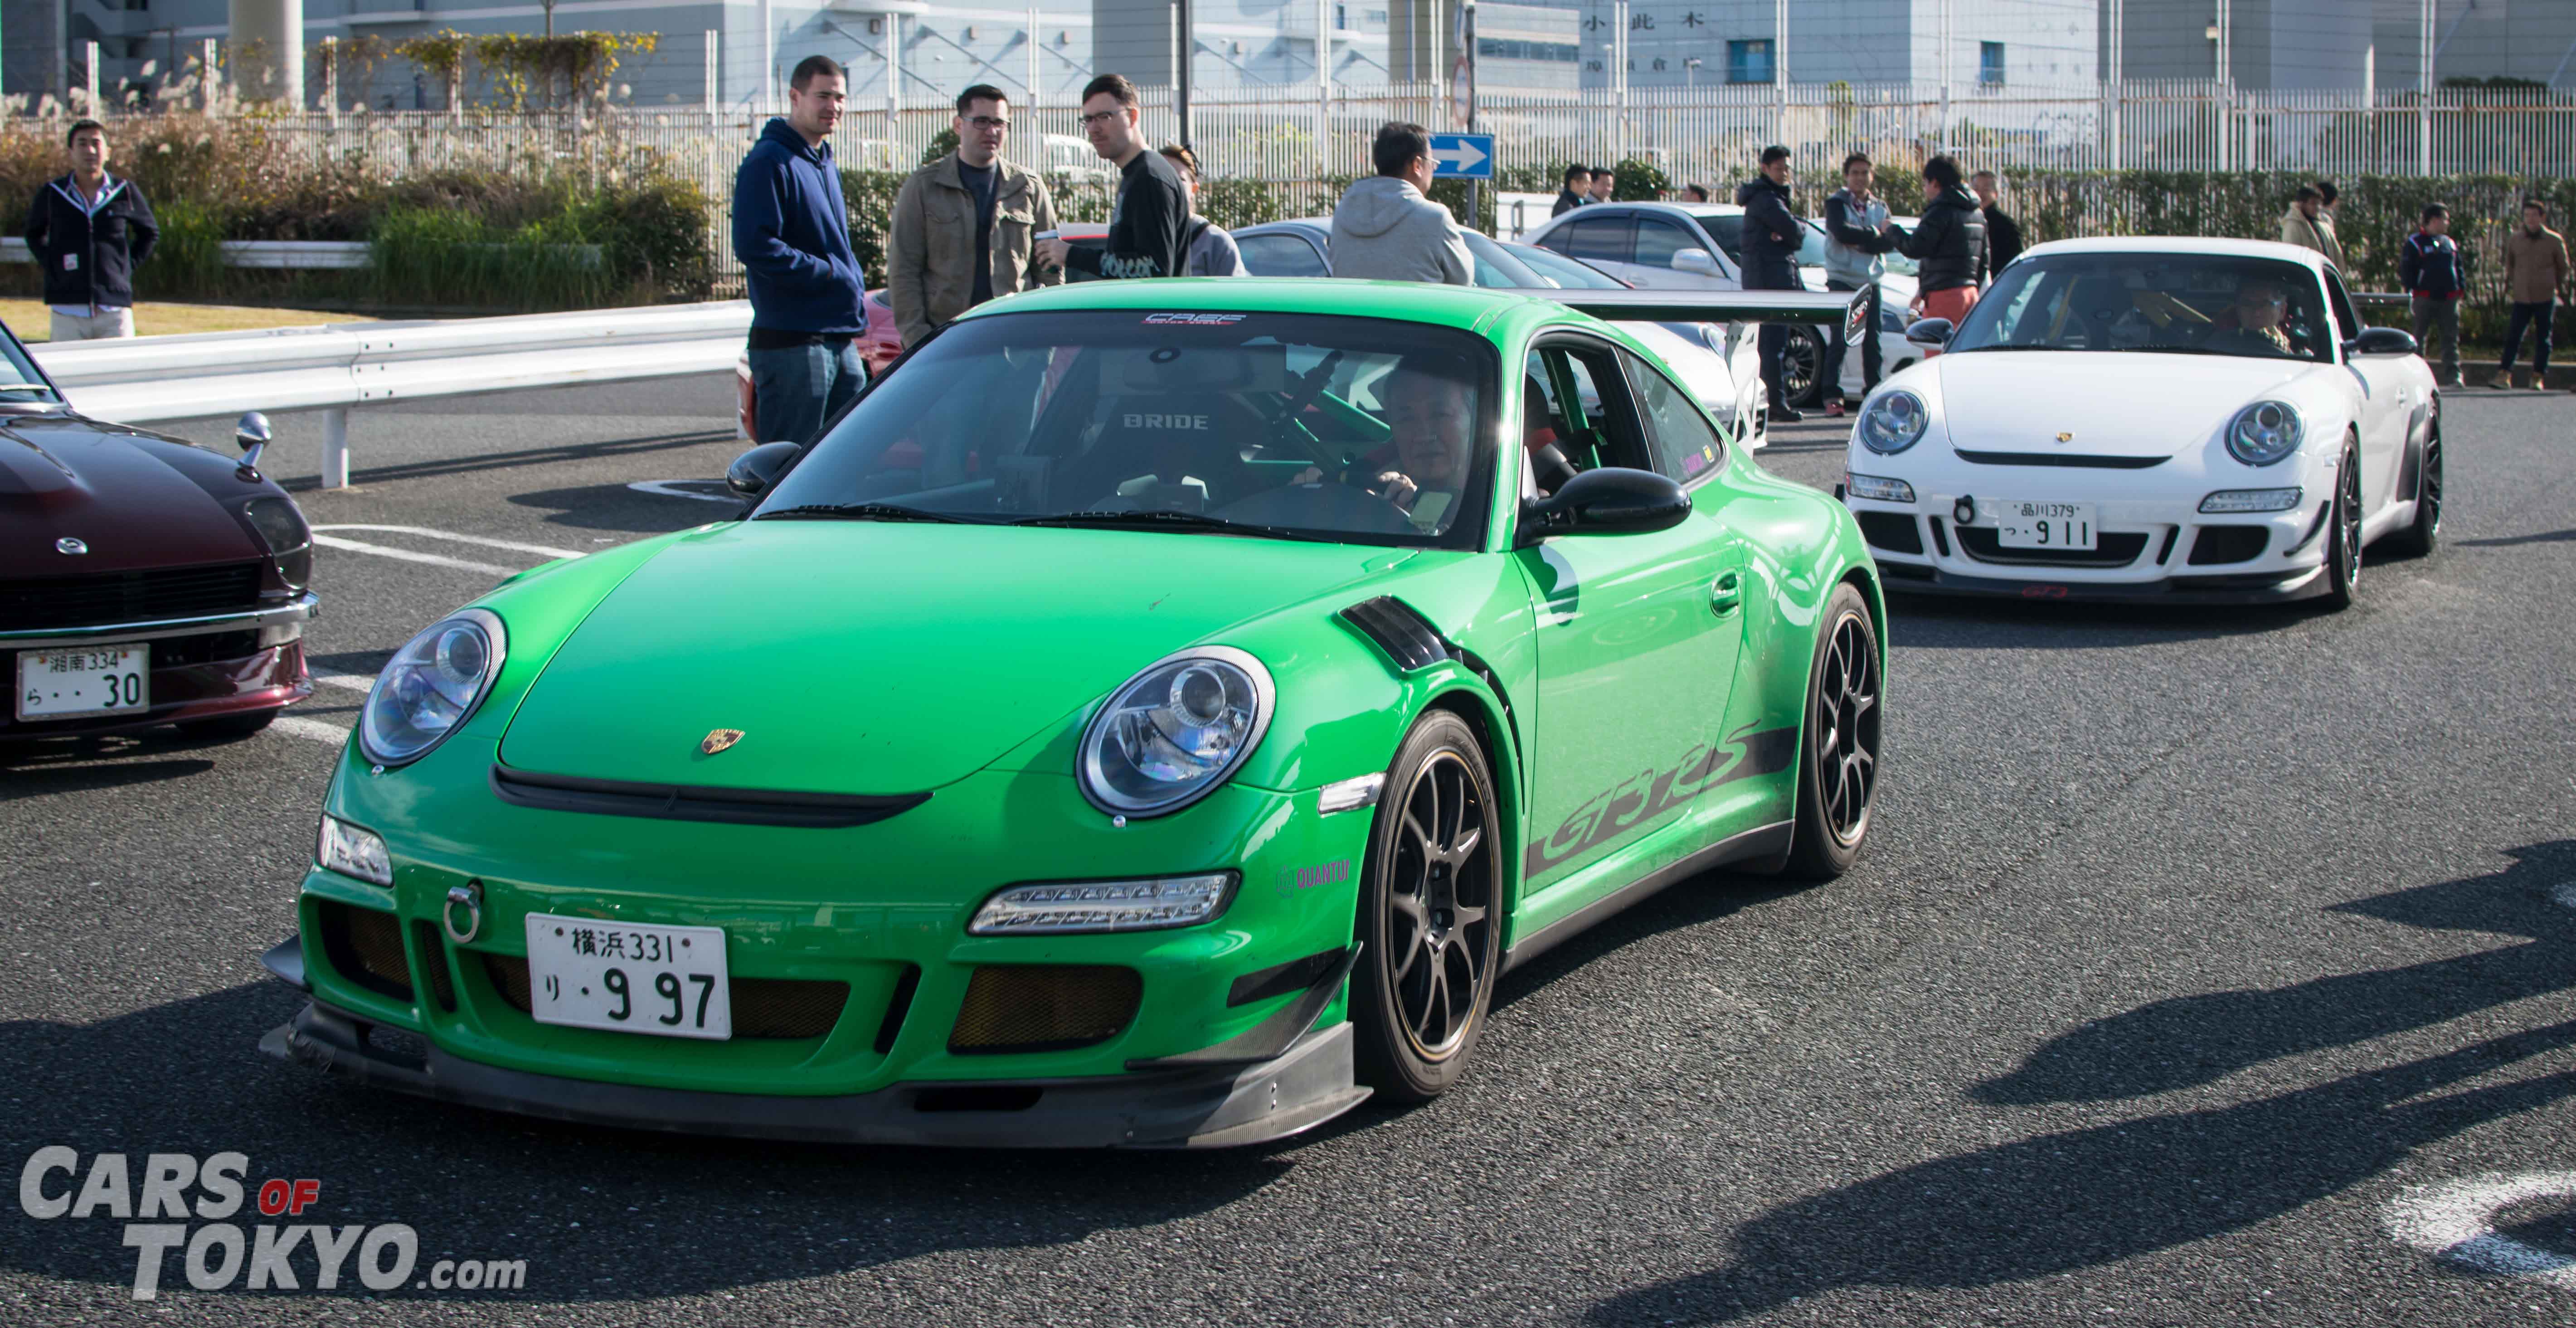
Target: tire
1802,376
1430,915
2422,534
227,726
2343,535
1839,752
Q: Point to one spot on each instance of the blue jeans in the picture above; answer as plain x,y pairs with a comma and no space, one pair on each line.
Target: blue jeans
797,388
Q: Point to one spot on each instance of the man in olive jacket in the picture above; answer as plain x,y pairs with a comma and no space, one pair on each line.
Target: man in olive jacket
966,225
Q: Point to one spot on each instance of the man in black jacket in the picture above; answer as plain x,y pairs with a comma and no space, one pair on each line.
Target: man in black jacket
1149,224
1578,182
1771,236
1949,244
2003,235
87,231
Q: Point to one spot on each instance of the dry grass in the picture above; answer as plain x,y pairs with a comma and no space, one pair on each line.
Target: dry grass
28,318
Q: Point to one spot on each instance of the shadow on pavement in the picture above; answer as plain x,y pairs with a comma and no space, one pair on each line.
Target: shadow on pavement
620,508
2545,537
532,456
1934,622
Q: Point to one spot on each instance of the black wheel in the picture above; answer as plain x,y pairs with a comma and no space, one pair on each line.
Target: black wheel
1838,766
1802,362
2425,531
2343,536
228,726
1429,915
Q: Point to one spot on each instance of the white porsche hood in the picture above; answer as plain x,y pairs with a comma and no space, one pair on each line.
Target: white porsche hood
2113,403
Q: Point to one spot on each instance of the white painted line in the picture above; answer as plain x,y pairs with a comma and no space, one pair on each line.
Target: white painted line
300,727
433,559
2455,1221
486,541
346,682
671,489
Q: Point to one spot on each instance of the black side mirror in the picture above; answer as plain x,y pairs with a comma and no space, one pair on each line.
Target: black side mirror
754,472
1929,331
2382,341
1609,501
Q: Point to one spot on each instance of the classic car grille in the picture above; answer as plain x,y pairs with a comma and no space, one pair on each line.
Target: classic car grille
2216,545
762,1007
1044,1007
365,944
122,597
2119,548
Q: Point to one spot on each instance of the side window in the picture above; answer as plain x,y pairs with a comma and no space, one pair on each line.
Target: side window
1684,444
2347,321
1658,241
1729,233
1280,256
1602,239
1591,418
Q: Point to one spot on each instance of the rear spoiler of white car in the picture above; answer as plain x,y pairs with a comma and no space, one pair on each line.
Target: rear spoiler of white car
1715,306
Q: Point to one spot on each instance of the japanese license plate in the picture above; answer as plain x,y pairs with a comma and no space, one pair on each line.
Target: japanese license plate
628,978
2029,525
87,680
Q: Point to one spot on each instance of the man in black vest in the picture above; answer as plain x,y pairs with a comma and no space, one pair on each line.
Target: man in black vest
88,230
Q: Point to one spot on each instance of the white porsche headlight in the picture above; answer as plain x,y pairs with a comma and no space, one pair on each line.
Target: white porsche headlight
431,686
1171,734
1893,421
2263,433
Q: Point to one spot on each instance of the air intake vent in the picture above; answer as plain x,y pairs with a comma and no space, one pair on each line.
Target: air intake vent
1044,1007
365,945
1406,637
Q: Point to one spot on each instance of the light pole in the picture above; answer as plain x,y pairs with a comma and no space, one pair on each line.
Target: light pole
1188,45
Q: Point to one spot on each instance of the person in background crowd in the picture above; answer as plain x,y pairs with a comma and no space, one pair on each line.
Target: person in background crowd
1578,183
2429,268
965,226
2535,270
1856,244
88,231
1949,244
1208,251
1148,222
2003,234
1694,193
1772,234
1384,227
2306,225
792,232
2333,201
1602,180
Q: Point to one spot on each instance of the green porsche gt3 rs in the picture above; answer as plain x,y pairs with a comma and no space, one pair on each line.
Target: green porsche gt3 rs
1154,715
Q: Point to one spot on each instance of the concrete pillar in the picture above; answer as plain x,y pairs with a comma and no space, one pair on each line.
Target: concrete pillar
335,448
267,40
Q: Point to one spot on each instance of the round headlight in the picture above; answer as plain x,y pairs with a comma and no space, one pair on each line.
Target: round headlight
2263,433
431,686
1171,734
1893,421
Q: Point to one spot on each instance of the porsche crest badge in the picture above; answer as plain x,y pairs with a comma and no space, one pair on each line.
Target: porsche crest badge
719,739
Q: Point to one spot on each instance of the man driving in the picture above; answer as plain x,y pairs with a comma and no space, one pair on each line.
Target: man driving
1433,416
2253,322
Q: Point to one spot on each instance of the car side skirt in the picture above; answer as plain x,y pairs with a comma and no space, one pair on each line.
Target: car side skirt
1761,842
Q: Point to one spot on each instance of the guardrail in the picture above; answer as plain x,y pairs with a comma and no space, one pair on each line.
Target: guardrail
300,254
333,369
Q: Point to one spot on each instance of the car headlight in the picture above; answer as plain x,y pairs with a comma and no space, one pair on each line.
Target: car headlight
1171,734
281,527
1067,907
350,851
2252,500
1878,487
1893,421
431,686
2263,433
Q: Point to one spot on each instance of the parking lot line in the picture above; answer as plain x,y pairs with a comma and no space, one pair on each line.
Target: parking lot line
346,681
300,727
671,489
407,555
484,540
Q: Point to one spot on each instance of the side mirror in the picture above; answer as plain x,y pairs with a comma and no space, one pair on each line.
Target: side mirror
251,434
1929,332
1695,260
2382,341
752,473
1610,501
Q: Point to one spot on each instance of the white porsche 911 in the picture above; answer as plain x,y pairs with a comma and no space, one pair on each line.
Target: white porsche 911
2181,420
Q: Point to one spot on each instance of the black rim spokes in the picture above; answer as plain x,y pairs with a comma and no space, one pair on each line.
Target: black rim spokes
2431,485
2351,517
1847,729
1439,904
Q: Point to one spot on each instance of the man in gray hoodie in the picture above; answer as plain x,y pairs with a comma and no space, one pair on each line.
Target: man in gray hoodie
1385,229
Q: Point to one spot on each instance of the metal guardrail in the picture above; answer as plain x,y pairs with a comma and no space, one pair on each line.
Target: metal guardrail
279,254
336,368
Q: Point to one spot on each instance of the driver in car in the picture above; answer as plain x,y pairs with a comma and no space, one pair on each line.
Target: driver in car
1433,417
2253,322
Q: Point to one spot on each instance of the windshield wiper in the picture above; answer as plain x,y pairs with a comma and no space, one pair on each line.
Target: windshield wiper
862,512
1161,517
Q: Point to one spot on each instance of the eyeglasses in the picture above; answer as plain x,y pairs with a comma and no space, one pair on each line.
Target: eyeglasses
988,121
1098,117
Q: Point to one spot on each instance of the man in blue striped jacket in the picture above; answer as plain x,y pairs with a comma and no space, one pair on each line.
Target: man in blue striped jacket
2429,268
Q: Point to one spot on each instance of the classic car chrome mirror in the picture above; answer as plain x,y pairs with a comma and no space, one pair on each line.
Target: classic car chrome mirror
1612,500
252,435
752,473
1929,331
1695,260
2381,341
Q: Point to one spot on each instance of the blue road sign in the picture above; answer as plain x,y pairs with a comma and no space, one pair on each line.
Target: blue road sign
1462,156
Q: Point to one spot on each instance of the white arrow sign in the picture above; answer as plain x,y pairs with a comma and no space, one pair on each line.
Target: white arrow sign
1462,154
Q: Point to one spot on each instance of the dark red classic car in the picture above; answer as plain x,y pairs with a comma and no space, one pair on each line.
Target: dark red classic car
143,579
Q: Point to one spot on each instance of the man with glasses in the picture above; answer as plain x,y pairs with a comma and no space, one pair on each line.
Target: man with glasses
1149,225
966,225
792,232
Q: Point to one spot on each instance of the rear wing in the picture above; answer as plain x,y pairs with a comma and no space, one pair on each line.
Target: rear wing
1820,309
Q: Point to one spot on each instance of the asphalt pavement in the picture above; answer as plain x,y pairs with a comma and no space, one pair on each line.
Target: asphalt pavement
2204,967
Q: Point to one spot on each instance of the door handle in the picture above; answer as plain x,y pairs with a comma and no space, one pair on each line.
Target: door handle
1726,593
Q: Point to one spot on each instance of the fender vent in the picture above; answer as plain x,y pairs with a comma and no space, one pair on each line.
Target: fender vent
1406,637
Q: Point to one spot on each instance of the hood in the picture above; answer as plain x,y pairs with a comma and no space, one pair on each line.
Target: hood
2125,405
1378,204
136,500
872,657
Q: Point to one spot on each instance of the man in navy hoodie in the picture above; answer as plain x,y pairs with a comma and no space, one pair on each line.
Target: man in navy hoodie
792,233
2428,266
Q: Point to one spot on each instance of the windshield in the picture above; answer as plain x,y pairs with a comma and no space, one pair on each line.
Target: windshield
1561,271
19,380
2193,304
1286,426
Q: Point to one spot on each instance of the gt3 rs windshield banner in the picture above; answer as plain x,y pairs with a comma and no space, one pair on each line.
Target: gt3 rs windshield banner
1715,306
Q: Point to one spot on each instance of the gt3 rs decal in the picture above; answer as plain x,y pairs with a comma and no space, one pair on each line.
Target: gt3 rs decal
1646,796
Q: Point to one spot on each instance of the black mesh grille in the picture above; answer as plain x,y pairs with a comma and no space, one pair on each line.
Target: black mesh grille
2215,545
433,957
122,597
1892,531
1044,1007
762,1007
2117,549
365,945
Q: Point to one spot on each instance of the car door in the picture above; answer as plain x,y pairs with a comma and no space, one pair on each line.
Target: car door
1661,247
2391,401
1607,242
1635,663
1281,254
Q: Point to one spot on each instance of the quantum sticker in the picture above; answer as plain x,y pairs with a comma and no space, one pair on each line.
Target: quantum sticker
1294,879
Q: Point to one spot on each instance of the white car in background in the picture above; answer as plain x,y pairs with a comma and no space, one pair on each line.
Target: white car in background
2175,420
